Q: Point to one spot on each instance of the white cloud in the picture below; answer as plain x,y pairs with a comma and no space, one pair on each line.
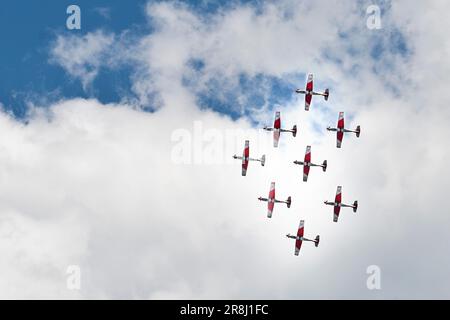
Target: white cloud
96,185
104,12
82,57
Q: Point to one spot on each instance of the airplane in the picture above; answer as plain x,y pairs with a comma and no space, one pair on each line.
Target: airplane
307,164
338,204
277,129
246,158
271,200
299,238
341,130
309,92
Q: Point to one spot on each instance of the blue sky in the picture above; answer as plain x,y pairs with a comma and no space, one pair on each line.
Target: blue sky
28,34
28,76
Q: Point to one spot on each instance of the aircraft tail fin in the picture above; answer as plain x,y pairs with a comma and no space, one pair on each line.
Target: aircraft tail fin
316,241
288,202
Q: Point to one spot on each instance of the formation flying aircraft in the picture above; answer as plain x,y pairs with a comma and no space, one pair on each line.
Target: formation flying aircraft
246,158
277,129
307,164
299,238
338,204
271,200
309,92
341,130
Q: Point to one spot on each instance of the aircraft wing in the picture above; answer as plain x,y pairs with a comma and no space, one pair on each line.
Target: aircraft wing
271,202
338,200
340,134
277,122
307,160
339,137
340,124
309,83
338,197
298,242
245,157
276,129
309,87
337,209
308,98
276,137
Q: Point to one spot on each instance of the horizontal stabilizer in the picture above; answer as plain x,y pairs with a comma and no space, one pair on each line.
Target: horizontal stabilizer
326,94
324,165
317,240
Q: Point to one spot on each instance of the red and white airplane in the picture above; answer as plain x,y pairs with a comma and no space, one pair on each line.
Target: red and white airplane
341,130
309,92
277,129
271,200
299,238
338,204
246,158
307,164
